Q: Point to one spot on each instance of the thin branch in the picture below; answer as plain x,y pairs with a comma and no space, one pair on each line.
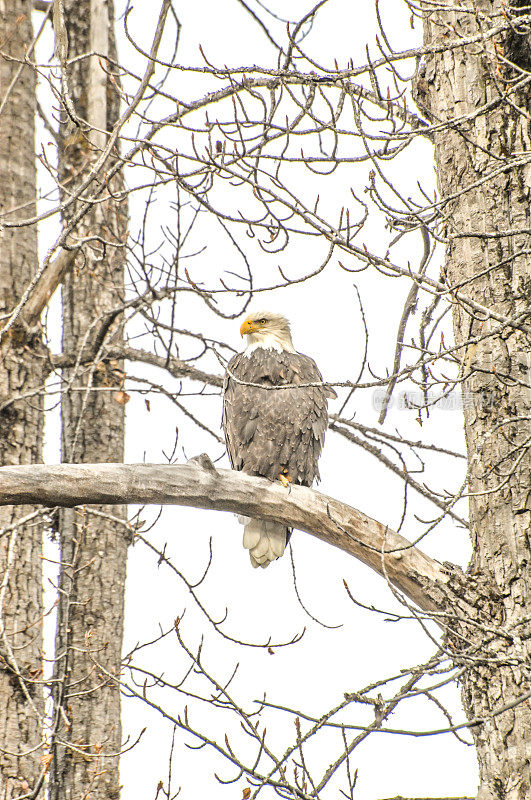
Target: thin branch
409,307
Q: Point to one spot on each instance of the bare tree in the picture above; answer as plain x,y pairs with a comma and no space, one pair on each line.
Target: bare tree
261,160
21,424
93,551
487,226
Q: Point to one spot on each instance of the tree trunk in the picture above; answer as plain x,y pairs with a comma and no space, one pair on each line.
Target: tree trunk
493,270
21,360
93,549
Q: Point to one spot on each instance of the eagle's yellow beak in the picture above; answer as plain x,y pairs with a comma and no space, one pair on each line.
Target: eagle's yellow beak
247,327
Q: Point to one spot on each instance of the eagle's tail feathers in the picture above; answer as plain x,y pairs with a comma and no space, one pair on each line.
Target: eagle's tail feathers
266,541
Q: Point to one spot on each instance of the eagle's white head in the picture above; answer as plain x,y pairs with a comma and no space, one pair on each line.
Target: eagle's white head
268,330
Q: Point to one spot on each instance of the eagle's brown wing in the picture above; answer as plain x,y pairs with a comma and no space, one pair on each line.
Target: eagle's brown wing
270,431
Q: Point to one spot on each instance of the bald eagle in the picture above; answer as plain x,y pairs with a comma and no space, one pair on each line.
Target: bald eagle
272,432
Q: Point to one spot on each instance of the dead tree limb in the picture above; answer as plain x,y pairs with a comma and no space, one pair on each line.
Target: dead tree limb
199,484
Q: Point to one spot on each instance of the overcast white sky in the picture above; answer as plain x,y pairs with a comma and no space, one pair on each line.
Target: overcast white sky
314,674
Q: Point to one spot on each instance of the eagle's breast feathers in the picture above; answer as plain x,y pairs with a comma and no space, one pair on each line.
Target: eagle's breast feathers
269,430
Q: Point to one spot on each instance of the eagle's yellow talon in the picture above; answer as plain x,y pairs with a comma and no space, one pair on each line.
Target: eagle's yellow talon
285,479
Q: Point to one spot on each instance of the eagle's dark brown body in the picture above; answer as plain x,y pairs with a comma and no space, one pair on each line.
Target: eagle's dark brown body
272,431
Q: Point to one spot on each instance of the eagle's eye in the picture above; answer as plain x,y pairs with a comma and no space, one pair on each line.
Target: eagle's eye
262,321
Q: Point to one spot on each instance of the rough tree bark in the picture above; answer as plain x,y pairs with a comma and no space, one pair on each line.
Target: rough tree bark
93,551
457,84
21,362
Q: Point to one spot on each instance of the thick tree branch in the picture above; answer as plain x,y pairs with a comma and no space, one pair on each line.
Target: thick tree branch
200,485
174,366
39,290
51,276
